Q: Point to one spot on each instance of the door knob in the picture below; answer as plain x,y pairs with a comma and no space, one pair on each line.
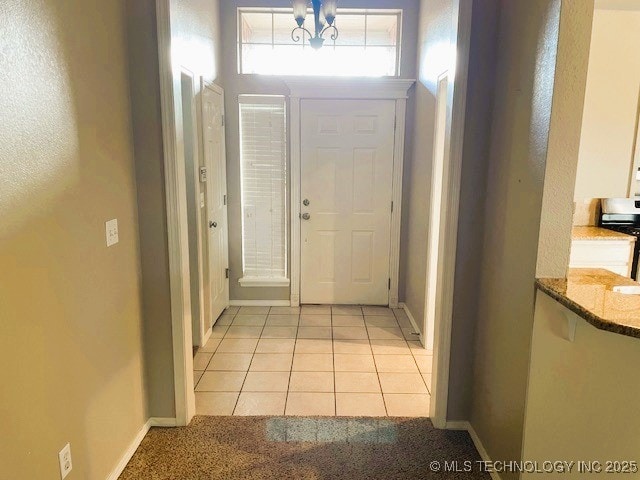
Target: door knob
213,224
306,216
306,202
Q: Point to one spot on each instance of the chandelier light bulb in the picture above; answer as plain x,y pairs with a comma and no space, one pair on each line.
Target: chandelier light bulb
299,11
330,9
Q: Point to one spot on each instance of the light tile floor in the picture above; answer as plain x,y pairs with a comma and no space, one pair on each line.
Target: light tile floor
315,360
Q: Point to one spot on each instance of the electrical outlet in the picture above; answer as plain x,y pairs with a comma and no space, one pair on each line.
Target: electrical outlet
65,461
112,232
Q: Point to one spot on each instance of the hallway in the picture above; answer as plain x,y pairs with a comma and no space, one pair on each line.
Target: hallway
314,360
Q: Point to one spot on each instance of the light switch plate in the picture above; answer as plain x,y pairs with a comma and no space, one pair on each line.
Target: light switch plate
112,232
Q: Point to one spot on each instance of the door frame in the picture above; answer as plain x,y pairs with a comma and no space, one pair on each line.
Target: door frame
347,89
177,225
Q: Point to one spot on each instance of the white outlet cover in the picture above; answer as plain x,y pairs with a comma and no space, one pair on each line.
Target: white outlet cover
65,461
112,232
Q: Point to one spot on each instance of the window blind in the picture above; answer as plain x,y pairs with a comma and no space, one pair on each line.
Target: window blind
263,164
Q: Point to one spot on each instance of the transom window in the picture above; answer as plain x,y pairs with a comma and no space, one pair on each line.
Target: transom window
368,44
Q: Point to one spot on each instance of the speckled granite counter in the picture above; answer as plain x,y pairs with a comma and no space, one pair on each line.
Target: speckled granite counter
597,233
589,293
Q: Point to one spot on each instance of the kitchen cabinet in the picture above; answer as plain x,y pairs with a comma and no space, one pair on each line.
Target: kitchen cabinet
593,247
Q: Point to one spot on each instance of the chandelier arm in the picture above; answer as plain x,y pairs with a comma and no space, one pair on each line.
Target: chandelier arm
334,35
296,37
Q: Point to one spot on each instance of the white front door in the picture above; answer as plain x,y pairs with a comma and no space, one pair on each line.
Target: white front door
216,209
346,190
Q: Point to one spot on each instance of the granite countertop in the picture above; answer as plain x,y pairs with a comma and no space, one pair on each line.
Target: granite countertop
597,233
589,293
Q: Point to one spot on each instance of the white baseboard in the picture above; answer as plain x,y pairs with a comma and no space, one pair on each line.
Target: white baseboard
162,422
128,453
403,306
463,425
135,443
260,303
206,337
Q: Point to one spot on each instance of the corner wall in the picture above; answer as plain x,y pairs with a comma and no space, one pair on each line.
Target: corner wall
195,43
475,158
525,157
434,39
515,173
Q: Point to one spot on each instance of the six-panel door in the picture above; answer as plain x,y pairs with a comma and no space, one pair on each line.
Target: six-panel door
346,193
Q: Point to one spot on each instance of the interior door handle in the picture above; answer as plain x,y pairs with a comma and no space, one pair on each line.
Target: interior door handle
306,216
213,224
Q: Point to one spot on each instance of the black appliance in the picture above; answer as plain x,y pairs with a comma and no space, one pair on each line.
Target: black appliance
623,215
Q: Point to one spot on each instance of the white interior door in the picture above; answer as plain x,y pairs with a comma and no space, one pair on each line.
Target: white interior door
346,190
216,194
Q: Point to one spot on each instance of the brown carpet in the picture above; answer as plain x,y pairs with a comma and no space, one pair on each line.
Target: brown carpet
303,448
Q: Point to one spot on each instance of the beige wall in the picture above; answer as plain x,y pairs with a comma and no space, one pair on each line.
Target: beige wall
585,392
611,105
70,308
236,84
195,40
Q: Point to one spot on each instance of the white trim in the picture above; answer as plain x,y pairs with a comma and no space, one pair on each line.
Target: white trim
175,189
436,208
263,282
412,319
450,213
162,422
260,303
347,88
128,453
396,214
295,156
198,338
464,425
207,335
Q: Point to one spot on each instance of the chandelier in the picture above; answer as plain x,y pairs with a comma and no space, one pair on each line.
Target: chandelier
324,13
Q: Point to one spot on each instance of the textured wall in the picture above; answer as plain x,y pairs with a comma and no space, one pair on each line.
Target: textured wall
526,48
565,138
475,158
236,84
70,308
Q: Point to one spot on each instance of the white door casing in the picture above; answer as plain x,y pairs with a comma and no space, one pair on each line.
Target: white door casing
346,178
216,193
347,88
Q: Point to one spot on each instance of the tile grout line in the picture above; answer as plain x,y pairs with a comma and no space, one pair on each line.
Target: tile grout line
246,374
216,349
384,401
293,354
333,362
